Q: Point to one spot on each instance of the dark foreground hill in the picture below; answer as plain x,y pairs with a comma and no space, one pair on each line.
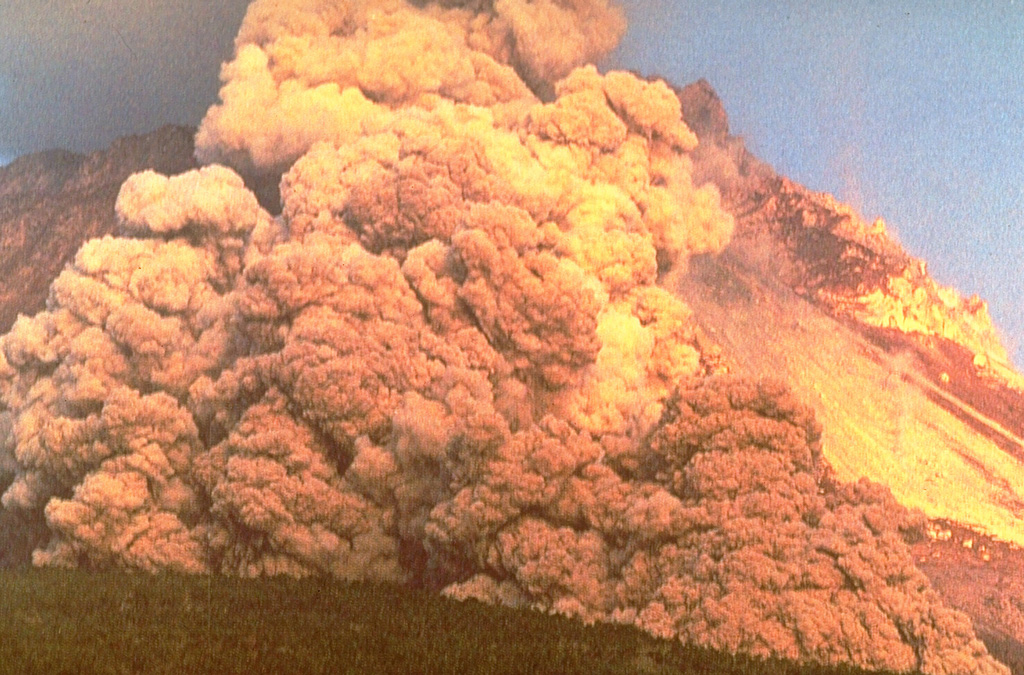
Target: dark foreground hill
60,621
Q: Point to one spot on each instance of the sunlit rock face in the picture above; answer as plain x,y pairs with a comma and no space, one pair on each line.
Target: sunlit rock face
857,271
455,358
825,252
908,379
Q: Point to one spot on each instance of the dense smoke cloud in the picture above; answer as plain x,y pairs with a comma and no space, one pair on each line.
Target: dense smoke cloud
448,361
324,70
98,385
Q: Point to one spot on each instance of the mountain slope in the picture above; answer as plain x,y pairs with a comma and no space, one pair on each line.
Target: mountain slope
52,202
882,416
909,380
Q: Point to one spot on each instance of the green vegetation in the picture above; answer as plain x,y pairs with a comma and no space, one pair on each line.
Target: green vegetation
57,621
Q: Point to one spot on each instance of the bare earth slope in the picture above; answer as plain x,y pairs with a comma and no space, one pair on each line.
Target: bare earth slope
883,417
908,379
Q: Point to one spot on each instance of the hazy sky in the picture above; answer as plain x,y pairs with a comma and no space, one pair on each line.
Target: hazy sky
909,110
78,73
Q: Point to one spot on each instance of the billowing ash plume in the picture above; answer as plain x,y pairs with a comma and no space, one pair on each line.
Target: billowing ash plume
448,361
311,71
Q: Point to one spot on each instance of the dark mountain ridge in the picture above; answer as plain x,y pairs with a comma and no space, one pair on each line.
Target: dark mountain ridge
51,202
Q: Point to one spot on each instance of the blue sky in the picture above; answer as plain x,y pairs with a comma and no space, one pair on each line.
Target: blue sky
913,111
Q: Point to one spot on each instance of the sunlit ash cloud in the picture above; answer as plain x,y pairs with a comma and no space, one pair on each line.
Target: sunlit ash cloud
448,360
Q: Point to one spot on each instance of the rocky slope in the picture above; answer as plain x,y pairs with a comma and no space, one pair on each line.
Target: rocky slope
908,378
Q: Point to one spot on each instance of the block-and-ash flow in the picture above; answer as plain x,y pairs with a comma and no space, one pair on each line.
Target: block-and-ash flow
449,360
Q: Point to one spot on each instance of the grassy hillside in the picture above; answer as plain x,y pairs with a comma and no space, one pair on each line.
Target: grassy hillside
56,621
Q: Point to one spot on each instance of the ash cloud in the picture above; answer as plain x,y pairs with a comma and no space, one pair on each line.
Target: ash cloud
448,361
